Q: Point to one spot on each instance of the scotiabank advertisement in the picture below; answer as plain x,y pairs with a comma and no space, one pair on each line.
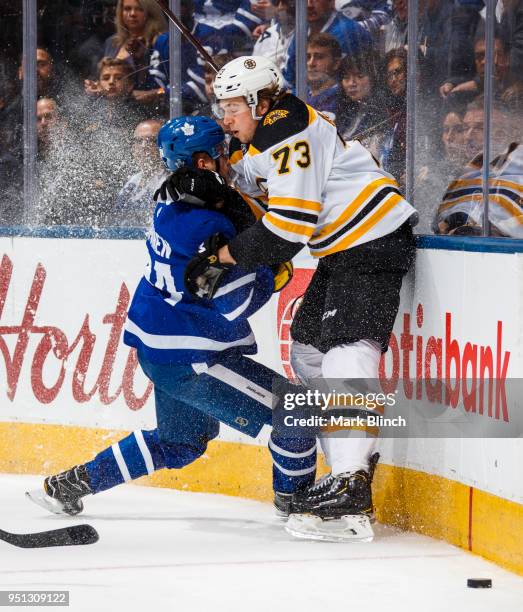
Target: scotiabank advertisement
457,340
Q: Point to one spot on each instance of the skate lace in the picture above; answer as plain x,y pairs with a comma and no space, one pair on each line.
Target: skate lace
323,484
69,483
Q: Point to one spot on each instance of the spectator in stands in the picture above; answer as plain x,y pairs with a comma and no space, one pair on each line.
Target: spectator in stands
452,139
322,17
138,24
372,14
274,41
461,209
115,92
396,30
236,19
445,37
112,92
511,28
473,126
323,61
46,120
46,81
114,79
394,144
85,167
100,18
208,76
216,43
134,203
11,117
360,110
443,163
11,135
465,91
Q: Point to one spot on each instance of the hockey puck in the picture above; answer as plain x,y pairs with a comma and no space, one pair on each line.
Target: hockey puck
479,583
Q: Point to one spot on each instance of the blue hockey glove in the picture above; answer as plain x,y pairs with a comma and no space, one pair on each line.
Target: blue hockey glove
204,273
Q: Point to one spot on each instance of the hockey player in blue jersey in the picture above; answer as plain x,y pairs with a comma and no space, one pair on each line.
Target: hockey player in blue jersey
194,350
216,40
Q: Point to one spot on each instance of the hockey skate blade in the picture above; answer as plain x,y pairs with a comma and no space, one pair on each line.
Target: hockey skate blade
349,528
47,502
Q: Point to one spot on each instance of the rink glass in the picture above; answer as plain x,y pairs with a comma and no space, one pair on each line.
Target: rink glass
424,140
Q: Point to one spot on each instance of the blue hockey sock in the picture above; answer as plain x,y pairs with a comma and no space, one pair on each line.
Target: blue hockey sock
139,454
294,463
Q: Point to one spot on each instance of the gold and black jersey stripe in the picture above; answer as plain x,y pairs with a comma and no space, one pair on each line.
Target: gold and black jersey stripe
348,227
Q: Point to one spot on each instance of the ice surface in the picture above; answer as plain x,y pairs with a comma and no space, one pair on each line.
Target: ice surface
166,550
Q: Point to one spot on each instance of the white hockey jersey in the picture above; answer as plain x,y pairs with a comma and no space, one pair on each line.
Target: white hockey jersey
464,196
309,186
273,44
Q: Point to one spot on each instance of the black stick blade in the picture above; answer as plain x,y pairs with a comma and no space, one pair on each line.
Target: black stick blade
77,535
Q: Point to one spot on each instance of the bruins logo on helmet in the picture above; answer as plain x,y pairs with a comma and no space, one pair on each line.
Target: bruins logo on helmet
275,115
249,64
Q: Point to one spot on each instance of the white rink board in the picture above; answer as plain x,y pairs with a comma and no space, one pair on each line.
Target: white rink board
73,283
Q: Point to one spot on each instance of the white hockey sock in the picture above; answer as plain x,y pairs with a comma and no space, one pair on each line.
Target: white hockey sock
347,454
351,452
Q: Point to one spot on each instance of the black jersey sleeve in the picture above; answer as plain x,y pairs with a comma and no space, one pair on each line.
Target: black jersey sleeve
258,246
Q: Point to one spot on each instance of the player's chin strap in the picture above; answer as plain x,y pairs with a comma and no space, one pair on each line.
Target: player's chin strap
254,115
252,102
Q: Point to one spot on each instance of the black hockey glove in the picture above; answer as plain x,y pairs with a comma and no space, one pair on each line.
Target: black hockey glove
204,273
202,188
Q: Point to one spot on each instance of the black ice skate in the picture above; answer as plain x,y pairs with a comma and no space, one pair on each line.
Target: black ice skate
62,493
282,503
335,496
336,508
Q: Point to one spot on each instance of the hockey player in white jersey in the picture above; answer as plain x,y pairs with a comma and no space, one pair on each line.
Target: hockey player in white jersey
308,186
193,350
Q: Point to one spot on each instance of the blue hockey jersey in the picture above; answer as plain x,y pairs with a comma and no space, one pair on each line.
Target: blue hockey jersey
193,87
165,321
235,15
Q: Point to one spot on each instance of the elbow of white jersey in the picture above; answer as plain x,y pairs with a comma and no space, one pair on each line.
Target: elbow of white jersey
292,219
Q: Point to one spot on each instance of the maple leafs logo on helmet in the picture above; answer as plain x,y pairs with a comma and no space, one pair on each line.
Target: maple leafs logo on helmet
250,64
188,129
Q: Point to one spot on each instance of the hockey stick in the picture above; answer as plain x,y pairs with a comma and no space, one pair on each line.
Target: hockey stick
68,536
188,34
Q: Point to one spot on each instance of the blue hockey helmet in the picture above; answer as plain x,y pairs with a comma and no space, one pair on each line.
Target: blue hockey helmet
180,138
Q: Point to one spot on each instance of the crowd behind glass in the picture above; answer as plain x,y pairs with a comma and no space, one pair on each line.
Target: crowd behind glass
103,93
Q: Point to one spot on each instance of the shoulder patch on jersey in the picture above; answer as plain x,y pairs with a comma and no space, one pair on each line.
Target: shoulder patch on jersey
296,115
275,115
